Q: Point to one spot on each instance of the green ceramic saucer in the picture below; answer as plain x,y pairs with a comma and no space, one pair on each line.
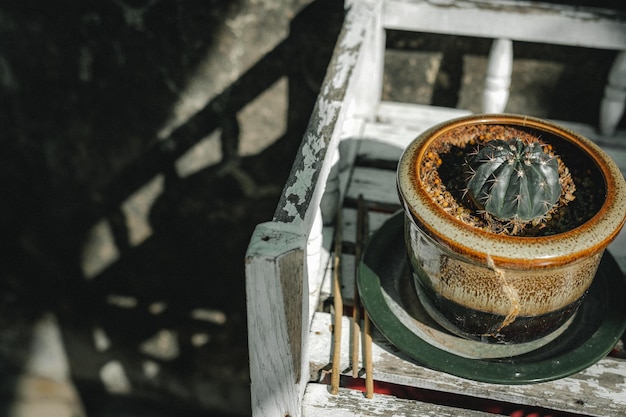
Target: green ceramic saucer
594,331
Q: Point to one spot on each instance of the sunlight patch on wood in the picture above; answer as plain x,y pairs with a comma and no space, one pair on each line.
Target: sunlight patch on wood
137,207
99,250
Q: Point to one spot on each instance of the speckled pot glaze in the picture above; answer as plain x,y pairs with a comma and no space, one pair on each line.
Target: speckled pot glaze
504,289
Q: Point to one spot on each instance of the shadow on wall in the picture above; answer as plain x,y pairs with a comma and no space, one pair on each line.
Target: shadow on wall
136,242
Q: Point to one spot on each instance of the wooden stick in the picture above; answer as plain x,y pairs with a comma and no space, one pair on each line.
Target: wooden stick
338,306
367,329
356,311
367,353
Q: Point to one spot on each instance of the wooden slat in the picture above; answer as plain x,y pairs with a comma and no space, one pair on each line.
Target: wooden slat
598,391
376,219
318,402
319,288
418,117
375,184
396,125
516,20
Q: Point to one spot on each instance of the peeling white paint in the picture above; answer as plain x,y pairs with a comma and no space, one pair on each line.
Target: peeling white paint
345,64
571,386
310,156
363,11
327,114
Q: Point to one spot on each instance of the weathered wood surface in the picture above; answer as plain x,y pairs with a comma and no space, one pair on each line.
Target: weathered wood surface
598,391
318,402
275,310
516,20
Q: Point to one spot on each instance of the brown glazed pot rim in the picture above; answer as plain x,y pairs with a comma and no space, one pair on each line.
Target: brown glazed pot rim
515,252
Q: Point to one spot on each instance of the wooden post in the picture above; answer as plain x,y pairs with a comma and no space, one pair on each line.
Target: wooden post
276,307
612,105
498,81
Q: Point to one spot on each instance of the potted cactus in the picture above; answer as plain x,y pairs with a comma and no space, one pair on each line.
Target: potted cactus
506,220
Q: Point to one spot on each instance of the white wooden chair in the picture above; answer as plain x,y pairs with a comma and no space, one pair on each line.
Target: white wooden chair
289,261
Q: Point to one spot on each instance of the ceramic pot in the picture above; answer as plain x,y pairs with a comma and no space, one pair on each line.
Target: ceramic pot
506,289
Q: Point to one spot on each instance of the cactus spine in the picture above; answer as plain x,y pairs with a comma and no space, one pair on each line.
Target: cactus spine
514,180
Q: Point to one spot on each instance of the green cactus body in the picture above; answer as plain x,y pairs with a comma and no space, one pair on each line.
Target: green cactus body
514,180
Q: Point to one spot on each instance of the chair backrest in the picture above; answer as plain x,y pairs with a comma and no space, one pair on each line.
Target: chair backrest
506,21
283,261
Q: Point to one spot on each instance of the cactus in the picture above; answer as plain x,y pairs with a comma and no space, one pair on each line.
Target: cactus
514,180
